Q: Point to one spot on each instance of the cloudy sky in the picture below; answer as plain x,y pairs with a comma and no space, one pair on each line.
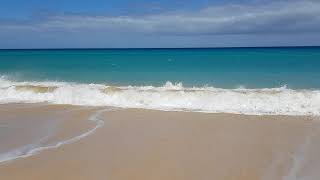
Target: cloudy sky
161,23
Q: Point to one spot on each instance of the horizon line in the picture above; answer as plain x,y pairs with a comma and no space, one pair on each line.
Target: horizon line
128,48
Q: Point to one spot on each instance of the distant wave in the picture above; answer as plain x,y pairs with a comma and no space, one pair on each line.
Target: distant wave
170,97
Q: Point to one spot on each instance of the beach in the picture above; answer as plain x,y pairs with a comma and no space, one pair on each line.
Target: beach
167,114
151,144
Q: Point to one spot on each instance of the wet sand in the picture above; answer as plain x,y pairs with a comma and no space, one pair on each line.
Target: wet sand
139,144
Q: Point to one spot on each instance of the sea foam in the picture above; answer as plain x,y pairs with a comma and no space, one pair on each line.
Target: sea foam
170,97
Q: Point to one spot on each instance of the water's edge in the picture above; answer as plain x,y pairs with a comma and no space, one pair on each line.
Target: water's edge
33,149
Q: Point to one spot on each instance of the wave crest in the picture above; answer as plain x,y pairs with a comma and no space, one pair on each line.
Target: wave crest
276,101
36,89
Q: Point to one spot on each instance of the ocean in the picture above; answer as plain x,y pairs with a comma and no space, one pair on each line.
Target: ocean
282,80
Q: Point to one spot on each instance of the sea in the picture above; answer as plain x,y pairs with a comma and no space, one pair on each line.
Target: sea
259,81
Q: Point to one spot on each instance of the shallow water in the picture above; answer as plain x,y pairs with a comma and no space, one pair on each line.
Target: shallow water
21,128
27,129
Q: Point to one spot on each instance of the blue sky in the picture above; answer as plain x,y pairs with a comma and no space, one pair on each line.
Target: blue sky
162,23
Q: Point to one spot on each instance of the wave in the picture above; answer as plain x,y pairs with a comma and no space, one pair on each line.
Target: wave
36,89
171,97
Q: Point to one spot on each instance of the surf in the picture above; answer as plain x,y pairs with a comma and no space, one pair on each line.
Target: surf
169,97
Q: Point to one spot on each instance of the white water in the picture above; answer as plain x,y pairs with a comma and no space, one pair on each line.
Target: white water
274,101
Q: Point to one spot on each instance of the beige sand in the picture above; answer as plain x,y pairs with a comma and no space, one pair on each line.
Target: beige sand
20,123
154,145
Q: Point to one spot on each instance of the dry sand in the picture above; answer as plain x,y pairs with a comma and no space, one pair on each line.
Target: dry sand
138,144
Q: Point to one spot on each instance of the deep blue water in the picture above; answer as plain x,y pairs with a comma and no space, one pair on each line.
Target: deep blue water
297,67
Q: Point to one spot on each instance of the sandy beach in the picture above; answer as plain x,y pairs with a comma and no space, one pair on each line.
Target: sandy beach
151,145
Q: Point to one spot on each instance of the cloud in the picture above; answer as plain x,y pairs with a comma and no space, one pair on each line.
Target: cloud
301,16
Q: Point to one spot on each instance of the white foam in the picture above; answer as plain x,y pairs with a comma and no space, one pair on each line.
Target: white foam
275,101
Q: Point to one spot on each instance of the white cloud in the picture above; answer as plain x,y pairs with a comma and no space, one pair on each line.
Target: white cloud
273,17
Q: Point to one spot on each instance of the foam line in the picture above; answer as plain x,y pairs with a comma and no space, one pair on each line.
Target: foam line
169,97
33,149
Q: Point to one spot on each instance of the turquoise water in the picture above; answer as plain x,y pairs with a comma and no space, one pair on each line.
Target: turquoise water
297,68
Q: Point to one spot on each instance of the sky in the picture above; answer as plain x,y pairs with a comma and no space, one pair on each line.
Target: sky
158,24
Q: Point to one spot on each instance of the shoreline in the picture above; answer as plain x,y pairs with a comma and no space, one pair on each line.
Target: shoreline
58,118
151,144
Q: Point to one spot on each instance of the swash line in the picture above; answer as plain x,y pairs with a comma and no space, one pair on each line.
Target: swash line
31,152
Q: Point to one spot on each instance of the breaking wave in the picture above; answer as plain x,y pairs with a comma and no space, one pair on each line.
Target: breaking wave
171,97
